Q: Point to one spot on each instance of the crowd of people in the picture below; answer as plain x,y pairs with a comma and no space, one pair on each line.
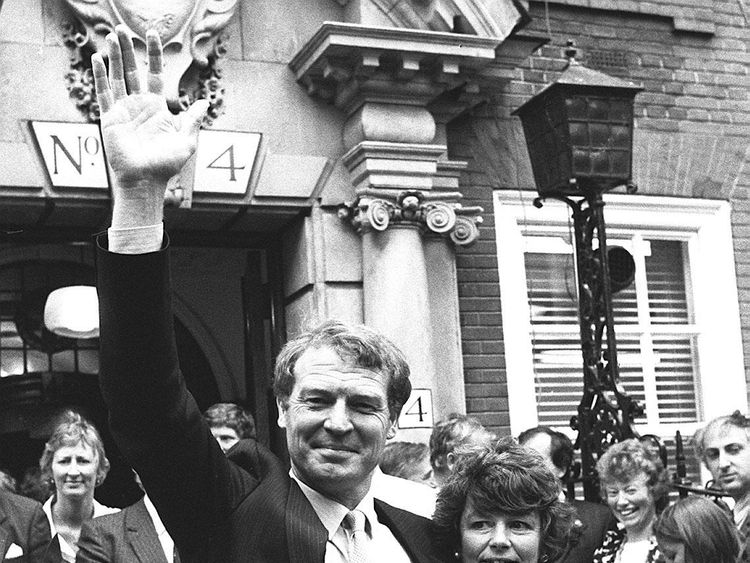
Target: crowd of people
212,493
502,500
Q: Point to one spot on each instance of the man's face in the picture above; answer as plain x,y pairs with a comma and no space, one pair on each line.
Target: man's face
337,423
542,443
727,456
227,437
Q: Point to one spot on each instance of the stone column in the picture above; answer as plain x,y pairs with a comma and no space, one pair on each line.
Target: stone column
396,277
388,82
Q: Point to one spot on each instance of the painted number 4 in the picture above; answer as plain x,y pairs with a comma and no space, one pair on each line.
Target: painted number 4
417,411
228,163
224,161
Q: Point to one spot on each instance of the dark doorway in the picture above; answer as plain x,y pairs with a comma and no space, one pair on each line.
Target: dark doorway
43,374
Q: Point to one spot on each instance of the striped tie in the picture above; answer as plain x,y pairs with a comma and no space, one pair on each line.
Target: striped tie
354,521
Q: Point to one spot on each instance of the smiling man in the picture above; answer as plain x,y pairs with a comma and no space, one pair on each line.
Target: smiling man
339,388
723,445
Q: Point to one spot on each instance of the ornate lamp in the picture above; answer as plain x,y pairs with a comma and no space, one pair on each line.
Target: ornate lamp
579,133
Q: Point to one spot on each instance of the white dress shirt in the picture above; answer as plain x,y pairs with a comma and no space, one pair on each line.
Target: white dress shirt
68,551
383,544
166,541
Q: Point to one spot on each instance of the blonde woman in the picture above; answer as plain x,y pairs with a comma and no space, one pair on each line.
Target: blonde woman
74,463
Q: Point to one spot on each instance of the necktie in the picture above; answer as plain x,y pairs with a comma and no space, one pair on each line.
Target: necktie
354,521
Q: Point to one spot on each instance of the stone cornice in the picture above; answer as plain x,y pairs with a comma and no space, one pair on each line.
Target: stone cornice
349,64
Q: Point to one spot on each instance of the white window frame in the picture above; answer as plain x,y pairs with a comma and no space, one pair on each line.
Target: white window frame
705,226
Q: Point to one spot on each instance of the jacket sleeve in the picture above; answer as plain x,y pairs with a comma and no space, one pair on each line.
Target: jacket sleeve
154,419
39,537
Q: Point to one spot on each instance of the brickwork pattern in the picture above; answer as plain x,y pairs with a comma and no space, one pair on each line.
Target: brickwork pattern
692,140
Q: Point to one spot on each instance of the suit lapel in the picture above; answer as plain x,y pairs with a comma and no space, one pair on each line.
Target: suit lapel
306,534
142,534
411,531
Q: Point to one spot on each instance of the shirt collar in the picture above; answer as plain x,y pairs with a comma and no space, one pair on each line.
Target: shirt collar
158,524
330,512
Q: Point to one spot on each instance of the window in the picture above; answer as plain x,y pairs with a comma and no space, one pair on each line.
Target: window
25,344
677,325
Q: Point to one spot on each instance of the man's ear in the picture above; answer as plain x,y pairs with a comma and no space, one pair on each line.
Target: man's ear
392,429
282,408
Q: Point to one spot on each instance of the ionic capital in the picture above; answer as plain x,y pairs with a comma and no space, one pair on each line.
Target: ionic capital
434,213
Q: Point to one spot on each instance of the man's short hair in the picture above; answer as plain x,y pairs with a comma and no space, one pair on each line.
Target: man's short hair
561,448
450,433
400,458
736,419
358,344
232,416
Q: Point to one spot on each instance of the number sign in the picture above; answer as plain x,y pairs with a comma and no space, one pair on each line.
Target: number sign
224,161
72,154
417,411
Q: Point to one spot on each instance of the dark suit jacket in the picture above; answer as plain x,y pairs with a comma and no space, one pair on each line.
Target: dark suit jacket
23,522
214,509
128,536
592,522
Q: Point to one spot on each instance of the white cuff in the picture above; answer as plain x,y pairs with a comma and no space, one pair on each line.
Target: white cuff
136,240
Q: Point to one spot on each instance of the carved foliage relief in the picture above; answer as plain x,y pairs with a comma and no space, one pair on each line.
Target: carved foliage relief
191,31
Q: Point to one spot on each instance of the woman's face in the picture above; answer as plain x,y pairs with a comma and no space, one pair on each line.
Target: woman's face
74,470
632,503
499,536
672,550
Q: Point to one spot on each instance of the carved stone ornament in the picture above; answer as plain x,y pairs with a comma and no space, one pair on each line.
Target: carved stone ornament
435,212
190,31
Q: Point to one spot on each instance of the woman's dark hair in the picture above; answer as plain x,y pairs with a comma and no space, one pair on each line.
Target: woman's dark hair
705,529
505,478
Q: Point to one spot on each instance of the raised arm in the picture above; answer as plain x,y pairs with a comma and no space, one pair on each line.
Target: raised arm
155,421
144,142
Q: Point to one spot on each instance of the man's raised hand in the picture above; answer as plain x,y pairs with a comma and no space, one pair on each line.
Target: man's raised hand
144,142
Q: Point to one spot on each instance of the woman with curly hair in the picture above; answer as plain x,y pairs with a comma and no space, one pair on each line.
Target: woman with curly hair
74,463
502,503
633,480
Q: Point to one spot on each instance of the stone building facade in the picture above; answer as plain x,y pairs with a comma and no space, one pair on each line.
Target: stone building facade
361,162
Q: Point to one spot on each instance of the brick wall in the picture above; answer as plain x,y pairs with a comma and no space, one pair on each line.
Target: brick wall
692,133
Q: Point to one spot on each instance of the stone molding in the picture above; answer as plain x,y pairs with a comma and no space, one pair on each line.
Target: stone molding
350,64
487,18
691,17
439,213
383,165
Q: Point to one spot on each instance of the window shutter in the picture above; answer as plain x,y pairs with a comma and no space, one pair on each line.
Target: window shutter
667,363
